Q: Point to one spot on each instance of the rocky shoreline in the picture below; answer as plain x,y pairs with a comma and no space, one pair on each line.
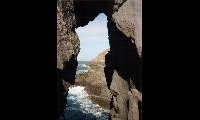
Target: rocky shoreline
94,81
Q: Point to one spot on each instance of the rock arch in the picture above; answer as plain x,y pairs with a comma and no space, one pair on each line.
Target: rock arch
124,30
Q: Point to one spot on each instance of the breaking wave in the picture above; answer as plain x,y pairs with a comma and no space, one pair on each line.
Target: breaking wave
80,107
82,68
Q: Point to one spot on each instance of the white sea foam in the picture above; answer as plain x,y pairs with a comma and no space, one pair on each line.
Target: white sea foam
82,65
82,68
78,101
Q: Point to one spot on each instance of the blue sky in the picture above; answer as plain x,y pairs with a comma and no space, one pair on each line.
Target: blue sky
93,38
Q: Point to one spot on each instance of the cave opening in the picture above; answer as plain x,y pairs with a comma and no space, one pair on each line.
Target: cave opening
94,44
93,38
93,41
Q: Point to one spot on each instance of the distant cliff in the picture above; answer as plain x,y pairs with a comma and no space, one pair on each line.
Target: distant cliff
95,82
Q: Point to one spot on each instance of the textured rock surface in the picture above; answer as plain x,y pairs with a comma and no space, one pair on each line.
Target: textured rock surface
124,29
123,68
128,19
67,40
124,105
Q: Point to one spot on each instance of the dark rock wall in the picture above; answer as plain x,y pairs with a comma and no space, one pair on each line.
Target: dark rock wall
68,46
88,10
67,40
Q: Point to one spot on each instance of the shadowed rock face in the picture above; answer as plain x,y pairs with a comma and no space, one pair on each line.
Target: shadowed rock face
67,51
124,59
88,10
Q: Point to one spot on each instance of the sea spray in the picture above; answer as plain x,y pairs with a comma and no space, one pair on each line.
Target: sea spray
80,107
